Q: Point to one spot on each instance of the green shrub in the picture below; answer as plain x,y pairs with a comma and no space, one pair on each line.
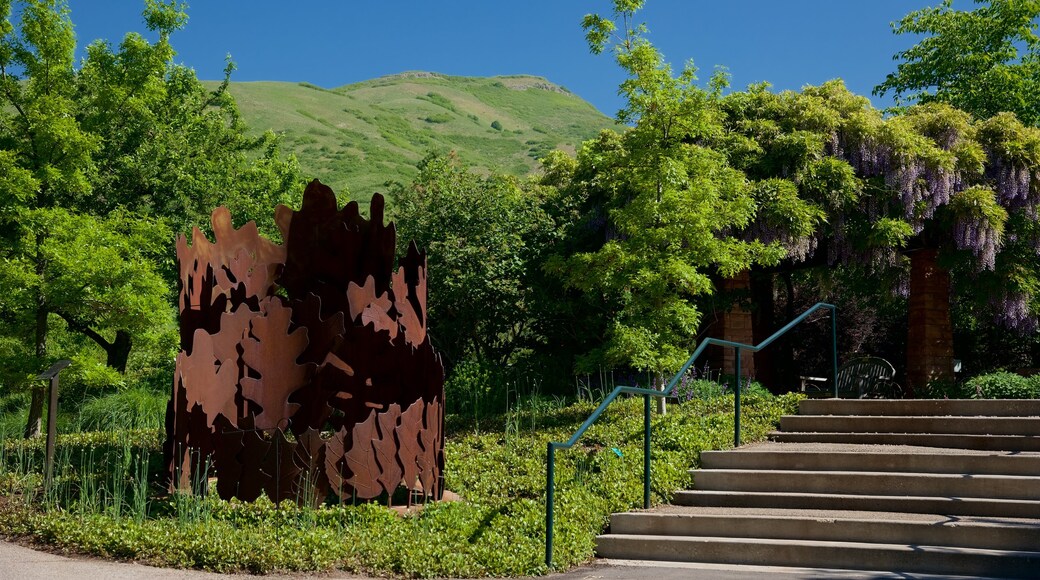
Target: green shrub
697,389
442,101
438,118
756,389
496,125
944,389
698,384
470,388
1001,385
749,386
134,408
14,411
146,439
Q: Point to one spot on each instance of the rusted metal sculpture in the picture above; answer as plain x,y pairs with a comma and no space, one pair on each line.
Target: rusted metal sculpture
329,386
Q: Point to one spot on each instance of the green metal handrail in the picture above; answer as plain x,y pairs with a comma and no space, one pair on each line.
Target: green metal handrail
738,346
550,473
667,391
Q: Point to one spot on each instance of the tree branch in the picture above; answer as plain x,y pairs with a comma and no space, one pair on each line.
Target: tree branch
21,112
83,329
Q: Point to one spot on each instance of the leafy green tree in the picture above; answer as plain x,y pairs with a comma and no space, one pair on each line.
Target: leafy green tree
660,204
929,183
484,237
983,61
102,163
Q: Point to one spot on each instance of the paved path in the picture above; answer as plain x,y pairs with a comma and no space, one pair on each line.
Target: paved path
21,563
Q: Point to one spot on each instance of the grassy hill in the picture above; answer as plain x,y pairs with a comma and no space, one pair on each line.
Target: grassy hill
356,137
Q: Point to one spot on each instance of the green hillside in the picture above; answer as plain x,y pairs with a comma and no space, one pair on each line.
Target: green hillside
358,136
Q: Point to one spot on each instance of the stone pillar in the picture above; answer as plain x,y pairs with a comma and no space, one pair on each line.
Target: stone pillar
735,325
929,350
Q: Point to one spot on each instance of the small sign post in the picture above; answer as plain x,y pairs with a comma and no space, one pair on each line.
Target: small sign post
51,374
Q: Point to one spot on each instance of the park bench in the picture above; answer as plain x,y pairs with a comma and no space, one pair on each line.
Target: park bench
861,378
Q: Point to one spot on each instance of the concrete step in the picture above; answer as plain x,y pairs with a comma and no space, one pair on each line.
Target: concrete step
836,526
920,407
847,555
664,570
1023,443
951,506
922,424
869,483
934,462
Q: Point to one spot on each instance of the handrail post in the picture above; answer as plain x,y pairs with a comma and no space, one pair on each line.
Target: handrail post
834,349
550,476
736,400
51,374
646,451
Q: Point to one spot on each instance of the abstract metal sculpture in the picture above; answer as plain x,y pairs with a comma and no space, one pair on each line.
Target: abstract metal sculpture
305,368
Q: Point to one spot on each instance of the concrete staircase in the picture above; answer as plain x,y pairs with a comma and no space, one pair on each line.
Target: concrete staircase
935,487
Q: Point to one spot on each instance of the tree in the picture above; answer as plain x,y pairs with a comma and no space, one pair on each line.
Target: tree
984,61
659,204
921,200
484,237
104,160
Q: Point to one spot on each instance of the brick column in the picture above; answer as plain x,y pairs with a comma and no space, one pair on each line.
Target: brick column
929,350
735,325
763,325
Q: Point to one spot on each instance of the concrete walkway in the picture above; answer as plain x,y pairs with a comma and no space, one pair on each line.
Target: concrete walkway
21,563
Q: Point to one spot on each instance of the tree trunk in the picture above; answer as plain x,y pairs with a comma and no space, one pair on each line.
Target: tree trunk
662,405
929,349
118,351
32,424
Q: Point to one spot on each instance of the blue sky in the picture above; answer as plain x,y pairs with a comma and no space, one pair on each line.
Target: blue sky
789,43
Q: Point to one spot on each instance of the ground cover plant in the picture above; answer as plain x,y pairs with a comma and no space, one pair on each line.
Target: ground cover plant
103,499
